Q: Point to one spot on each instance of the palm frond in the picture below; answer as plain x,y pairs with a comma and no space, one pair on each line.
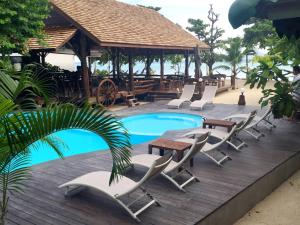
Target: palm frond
8,86
32,126
222,67
6,106
16,91
54,142
39,79
15,171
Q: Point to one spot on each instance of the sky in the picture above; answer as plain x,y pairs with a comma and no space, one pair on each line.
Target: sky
179,11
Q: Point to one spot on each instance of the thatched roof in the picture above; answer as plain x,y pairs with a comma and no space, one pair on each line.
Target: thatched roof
116,24
56,37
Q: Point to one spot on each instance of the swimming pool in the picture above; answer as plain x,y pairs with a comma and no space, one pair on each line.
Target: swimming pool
142,128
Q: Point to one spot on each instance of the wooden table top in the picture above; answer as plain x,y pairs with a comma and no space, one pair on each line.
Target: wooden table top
214,122
170,144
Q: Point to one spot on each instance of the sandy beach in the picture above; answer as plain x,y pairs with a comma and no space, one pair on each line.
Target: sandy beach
252,96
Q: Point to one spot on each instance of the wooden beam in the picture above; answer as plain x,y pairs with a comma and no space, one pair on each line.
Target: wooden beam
84,52
118,63
130,65
186,72
127,45
162,66
113,60
148,65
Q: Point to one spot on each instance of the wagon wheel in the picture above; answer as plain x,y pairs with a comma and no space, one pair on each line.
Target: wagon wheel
106,93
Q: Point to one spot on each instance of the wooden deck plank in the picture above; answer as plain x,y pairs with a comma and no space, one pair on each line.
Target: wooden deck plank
43,202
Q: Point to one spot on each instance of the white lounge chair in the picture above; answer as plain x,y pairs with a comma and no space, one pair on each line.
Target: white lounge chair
207,98
174,169
235,142
99,181
186,96
212,151
253,128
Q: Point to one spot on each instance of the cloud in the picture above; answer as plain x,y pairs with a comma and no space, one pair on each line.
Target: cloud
180,11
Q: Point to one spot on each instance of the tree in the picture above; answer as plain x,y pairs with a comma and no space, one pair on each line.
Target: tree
151,7
280,98
261,34
19,21
233,55
176,62
282,52
210,34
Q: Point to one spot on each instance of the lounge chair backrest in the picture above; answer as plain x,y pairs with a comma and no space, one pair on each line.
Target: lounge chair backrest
209,92
248,120
198,144
230,134
188,91
157,167
200,141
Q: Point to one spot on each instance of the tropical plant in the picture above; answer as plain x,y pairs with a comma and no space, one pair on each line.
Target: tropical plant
270,68
21,20
22,87
234,54
282,52
20,131
210,34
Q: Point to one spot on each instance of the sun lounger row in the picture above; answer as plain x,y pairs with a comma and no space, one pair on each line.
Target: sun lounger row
187,94
169,169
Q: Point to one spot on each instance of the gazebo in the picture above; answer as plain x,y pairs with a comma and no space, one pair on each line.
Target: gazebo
87,27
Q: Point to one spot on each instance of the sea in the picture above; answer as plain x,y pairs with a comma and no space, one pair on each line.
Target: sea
155,67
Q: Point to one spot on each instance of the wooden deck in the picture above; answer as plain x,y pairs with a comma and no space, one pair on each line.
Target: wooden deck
221,197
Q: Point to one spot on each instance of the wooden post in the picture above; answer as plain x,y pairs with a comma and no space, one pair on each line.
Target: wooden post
148,65
197,63
43,57
130,64
186,73
85,71
162,68
118,64
113,59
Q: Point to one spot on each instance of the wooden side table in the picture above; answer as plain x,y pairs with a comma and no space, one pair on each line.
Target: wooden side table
169,145
219,123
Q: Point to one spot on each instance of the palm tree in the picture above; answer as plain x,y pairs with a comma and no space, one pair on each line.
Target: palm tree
233,55
21,129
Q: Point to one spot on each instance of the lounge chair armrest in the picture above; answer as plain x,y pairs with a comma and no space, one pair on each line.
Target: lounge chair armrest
236,116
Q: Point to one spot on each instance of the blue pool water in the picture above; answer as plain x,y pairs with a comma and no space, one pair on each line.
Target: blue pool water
142,128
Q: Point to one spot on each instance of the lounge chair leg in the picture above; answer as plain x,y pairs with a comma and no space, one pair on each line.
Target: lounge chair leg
192,175
270,123
218,162
259,134
150,196
135,214
128,210
173,181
